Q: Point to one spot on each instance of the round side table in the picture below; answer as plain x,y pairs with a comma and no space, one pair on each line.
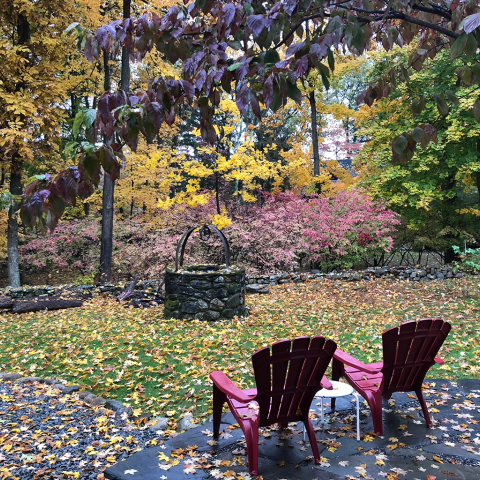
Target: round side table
339,390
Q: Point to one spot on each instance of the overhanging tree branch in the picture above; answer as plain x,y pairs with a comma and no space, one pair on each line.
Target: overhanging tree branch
423,23
293,30
434,11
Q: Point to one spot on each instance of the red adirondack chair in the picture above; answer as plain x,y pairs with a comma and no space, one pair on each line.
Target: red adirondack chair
287,380
408,353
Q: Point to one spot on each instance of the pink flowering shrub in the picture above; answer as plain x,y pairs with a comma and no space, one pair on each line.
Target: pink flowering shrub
75,246
269,237
284,233
340,230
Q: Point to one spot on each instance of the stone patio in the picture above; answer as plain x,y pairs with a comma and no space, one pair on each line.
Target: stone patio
408,449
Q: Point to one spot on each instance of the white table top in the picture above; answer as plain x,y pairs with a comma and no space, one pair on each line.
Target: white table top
339,390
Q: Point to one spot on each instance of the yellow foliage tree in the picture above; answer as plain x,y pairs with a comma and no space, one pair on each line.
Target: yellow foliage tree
31,93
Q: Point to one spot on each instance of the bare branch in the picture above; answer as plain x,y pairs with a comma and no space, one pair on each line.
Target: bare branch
422,23
434,11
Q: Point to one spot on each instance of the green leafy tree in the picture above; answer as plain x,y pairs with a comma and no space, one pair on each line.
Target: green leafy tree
435,185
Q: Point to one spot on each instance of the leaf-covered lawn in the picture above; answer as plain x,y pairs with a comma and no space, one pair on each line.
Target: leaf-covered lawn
163,365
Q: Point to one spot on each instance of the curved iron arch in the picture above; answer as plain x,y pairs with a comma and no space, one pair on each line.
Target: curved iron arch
183,242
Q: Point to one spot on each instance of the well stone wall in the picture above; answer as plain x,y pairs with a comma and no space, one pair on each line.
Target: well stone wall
205,292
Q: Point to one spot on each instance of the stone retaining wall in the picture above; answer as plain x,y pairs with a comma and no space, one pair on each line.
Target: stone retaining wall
85,291
421,274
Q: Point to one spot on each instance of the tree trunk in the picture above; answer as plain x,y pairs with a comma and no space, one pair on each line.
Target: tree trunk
108,197
106,247
132,203
12,229
316,156
478,186
106,71
6,304
125,75
107,229
446,211
23,30
38,306
478,174
217,199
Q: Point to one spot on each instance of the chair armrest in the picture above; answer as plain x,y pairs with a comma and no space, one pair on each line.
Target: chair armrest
347,359
326,384
223,383
439,361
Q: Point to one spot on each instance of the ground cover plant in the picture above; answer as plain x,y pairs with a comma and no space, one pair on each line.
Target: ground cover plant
162,366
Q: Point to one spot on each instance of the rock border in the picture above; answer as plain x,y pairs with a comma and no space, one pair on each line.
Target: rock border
155,424
422,274
84,395
80,291
419,274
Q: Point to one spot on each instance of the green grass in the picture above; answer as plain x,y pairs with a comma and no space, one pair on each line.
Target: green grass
163,365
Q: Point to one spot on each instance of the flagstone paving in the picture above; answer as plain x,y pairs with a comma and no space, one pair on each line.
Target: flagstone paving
408,449
44,435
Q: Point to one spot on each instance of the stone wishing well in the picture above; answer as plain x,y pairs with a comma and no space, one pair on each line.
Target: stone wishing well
204,292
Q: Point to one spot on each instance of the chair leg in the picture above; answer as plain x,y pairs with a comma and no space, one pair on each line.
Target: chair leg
250,430
313,440
423,404
337,372
375,403
219,399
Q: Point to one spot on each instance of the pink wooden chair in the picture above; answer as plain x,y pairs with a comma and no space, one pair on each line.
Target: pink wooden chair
408,353
287,380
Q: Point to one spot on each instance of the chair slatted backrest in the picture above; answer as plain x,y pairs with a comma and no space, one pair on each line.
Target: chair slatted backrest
288,377
409,351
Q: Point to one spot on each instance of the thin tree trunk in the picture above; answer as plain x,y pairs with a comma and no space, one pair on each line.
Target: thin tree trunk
23,30
217,199
106,247
316,157
449,183
108,198
12,230
478,186
478,174
313,114
106,72
132,202
125,76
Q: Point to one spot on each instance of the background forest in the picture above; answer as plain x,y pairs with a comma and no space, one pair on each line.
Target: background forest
312,184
